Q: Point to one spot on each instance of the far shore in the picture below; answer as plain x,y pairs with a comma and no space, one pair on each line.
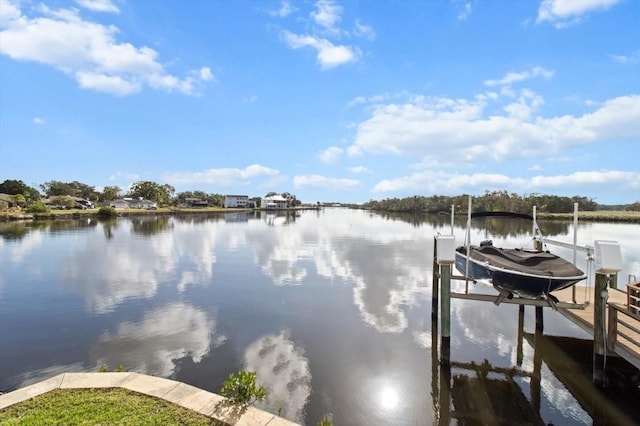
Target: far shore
585,216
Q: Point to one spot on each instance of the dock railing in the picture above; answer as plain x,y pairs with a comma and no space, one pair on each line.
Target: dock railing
623,329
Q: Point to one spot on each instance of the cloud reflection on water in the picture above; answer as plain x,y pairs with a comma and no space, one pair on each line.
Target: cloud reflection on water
154,344
283,369
108,276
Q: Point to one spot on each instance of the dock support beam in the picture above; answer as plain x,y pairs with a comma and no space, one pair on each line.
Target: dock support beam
445,310
599,348
519,351
435,284
539,319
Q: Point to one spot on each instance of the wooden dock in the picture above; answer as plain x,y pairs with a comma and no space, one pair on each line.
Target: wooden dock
623,326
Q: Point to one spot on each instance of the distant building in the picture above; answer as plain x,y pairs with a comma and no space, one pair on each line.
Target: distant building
119,204
274,202
132,203
235,201
196,202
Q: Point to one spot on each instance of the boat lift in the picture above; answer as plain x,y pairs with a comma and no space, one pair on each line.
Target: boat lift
605,256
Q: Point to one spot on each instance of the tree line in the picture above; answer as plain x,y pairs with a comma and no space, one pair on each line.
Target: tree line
492,201
163,194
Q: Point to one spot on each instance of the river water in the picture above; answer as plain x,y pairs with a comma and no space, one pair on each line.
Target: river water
331,308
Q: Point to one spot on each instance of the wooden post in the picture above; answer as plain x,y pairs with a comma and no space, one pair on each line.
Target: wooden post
537,372
539,319
445,395
445,311
435,284
519,350
613,280
599,349
435,391
612,329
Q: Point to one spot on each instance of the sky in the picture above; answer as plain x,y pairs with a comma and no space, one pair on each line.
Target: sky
342,101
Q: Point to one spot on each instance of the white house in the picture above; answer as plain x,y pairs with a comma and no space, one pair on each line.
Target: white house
119,204
141,203
274,202
235,201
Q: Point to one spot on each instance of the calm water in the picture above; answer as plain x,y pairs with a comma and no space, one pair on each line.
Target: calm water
331,308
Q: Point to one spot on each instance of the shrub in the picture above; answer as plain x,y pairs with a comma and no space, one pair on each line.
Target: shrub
242,388
106,212
37,207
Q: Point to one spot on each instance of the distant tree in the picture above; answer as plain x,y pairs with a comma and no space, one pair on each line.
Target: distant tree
15,187
216,200
181,197
18,199
257,200
634,207
85,191
110,193
56,188
271,194
292,201
64,201
161,194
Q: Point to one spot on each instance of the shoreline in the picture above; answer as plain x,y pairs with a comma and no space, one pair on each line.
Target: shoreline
617,216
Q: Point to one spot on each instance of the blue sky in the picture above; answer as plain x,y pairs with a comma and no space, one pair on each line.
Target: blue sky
329,100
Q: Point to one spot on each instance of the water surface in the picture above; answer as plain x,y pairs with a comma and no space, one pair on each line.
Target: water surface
331,308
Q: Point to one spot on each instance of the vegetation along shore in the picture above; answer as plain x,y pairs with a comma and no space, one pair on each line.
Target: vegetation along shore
55,200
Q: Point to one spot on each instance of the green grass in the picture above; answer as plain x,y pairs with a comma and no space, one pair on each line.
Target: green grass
596,216
113,406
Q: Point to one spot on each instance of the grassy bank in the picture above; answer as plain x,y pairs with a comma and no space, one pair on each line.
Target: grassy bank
596,216
99,406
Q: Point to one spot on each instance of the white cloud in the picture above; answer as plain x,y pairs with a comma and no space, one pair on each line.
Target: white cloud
327,15
321,37
129,177
39,121
359,169
224,177
452,183
331,155
364,31
563,13
88,51
99,5
517,77
249,99
328,54
464,11
633,58
436,128
284,10
323,182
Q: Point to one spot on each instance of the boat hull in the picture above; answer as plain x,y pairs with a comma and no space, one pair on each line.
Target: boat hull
518,280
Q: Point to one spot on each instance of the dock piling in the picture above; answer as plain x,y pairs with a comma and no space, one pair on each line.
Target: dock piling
445,327
435,281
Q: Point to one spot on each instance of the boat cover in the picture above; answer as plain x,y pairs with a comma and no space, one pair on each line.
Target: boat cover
531,262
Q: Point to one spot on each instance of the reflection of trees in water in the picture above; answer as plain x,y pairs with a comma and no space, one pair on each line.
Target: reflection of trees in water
66,225
108,225
417,219
151,225
18,230
499,227
503,227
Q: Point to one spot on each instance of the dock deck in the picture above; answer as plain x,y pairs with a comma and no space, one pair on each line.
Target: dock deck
627,330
